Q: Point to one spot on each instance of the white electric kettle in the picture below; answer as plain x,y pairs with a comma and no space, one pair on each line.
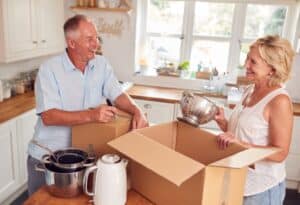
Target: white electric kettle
110,180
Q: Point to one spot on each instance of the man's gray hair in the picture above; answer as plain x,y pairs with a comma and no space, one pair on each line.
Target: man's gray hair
72,24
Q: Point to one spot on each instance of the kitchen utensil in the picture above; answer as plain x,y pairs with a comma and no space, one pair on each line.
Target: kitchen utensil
91,152
110,180
196,109
45,148
69,158
61,182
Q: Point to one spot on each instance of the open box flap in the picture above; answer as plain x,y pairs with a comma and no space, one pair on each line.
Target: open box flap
171,165
246,157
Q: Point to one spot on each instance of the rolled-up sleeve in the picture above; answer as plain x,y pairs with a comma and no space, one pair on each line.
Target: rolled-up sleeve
46,91
111,88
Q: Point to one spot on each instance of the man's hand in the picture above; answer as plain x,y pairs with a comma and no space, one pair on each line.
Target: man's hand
103,113
139,120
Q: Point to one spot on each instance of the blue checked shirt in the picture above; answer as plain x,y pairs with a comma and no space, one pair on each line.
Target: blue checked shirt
61,86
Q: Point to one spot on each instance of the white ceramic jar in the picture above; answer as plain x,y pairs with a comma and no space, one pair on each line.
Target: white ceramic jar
112,3
1,91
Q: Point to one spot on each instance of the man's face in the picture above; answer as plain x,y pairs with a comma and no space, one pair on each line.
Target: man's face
86,43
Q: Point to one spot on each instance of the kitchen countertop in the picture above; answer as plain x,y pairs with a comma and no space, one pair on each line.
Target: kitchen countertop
19,104
168,95
16,105
42,197
172,95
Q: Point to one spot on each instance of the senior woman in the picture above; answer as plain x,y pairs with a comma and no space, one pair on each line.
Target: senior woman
263,118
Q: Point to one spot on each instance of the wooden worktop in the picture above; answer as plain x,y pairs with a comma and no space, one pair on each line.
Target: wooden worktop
169,95
16,106
172,95
19,104
42,197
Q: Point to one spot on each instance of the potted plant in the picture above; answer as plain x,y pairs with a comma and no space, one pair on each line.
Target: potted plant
183,68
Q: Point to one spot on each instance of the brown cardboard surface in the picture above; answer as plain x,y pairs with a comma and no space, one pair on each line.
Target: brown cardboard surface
164,133
98,134
162,192
173,166
201,145
175,163
245,158
223,186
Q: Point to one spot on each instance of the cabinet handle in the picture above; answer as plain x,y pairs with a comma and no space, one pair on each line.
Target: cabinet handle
35,42
44,41
147,106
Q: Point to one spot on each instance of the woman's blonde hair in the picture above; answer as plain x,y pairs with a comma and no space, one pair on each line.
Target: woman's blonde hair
277,53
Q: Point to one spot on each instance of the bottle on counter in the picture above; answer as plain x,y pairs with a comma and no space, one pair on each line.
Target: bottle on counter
1,91
6,88
33,75
18,86
26,78
92,3
80,3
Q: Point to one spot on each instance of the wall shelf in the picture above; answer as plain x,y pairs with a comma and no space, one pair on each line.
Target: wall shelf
101,9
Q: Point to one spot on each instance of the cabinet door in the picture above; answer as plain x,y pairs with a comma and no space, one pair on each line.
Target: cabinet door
20,26
50,25
293,167
25,130
157,112
30,28
9,166
295,143
292,161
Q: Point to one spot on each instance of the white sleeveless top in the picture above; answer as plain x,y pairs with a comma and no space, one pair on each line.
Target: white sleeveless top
249,125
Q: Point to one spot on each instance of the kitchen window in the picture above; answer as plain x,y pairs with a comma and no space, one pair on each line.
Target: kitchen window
210,33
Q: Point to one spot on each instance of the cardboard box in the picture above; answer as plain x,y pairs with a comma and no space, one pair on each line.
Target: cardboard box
175,163
98,134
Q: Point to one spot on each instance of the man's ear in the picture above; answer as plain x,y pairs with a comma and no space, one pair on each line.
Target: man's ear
71,43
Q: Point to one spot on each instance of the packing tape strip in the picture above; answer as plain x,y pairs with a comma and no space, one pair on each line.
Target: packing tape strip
225,188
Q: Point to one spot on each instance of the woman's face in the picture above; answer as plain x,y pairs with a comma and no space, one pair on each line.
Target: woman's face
257,69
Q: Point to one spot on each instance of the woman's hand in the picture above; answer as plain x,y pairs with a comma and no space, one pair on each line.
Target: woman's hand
220,116
220,119
225,139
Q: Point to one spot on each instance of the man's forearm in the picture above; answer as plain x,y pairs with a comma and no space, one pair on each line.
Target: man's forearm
66,118
125,103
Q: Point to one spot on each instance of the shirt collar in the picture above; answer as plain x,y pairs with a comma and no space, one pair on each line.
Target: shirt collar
69,66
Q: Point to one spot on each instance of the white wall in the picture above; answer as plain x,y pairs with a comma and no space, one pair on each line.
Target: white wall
293,84
11,70
118,49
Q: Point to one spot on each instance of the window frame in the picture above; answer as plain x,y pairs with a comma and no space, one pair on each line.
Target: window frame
235,40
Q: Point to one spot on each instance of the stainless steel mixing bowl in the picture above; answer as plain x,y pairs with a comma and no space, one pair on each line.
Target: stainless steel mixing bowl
196,109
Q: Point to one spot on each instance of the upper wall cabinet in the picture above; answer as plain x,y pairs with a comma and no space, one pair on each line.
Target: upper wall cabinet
30,28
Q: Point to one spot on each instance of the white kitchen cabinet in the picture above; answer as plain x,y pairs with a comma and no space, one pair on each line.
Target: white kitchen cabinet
30,28
157,112
14,137
25,130
293,159
9,166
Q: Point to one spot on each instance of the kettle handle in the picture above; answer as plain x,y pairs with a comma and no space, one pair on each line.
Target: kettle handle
85,179
125,162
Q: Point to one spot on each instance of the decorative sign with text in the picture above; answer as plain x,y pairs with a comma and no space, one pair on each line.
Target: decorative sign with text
110,28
